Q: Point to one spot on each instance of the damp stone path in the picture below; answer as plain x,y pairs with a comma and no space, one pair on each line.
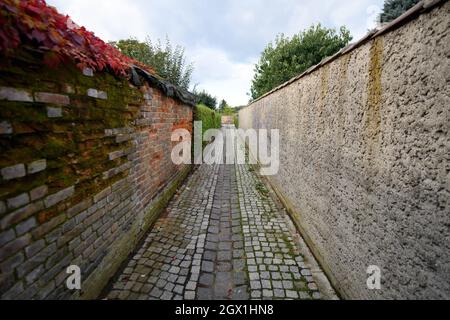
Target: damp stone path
224,236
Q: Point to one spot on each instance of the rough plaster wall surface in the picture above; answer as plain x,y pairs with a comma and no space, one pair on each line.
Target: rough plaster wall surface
365,160
85,168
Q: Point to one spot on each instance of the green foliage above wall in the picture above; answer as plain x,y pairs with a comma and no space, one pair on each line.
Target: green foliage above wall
206,99
288,57
395,8
210,119
169,62
225,109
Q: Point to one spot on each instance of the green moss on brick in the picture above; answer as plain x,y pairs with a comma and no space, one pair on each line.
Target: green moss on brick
57,147
23,111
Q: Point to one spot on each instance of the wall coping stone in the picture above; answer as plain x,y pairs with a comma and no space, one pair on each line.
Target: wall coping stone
165,86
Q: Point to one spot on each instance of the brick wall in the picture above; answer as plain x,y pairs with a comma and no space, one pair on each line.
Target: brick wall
84,170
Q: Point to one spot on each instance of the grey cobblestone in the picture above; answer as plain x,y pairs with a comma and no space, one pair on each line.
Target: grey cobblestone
221,238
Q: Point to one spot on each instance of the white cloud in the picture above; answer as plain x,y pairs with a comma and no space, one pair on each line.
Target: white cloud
223,38
358,16
109,20
227,79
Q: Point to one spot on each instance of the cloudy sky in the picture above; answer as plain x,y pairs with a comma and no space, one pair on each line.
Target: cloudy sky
223,38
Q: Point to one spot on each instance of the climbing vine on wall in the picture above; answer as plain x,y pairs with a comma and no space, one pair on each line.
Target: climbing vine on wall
33,22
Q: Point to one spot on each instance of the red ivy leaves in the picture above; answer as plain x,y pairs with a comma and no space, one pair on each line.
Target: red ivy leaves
34,22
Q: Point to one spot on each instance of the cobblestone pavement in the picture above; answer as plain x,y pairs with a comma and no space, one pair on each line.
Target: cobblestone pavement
224,236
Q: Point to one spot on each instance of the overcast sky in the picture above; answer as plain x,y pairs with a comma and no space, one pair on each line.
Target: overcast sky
223,38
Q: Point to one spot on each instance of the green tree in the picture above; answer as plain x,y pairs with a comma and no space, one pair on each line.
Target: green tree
206,99
395,8
225,109
228,111
223,104
168,62
288,57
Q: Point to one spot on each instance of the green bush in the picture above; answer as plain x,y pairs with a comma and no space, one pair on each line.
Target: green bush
236,121
210,119
218,120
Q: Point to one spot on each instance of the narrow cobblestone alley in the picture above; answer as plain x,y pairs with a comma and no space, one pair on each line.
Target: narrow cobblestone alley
334,182
223,236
